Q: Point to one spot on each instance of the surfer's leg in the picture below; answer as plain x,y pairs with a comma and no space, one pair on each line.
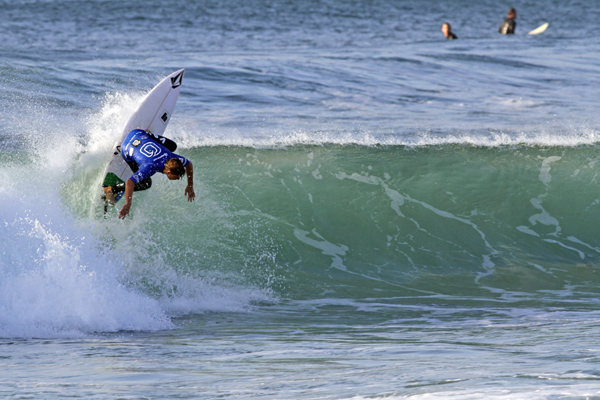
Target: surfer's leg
142,185
108,197
133,165
120,187
168,143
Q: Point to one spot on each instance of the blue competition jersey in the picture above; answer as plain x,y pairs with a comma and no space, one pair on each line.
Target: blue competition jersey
148,154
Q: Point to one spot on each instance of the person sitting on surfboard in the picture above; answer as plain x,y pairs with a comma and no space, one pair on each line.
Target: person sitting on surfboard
507,27
147,154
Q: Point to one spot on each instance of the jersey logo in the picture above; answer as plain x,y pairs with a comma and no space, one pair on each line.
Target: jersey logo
136,142
150,149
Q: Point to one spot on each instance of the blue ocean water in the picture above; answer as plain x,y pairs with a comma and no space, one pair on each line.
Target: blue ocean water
380,212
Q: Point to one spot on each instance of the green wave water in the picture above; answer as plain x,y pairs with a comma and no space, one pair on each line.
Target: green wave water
500,224
380,213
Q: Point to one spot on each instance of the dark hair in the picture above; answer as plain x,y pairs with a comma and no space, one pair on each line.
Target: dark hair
512,11
175,166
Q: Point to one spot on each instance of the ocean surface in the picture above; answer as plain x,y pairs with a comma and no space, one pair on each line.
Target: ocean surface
380,212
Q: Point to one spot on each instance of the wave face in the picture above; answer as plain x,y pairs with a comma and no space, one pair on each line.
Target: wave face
478,223
455,220
342,150
394,224
380,212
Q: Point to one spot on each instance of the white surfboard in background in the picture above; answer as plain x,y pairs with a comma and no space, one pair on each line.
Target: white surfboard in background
539,29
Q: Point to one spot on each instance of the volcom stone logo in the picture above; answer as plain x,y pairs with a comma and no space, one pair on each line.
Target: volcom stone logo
176,80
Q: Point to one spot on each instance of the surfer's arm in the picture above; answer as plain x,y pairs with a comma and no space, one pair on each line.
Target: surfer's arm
128,199
189,190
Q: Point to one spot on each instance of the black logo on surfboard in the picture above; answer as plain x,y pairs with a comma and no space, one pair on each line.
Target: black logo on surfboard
165,117
176,80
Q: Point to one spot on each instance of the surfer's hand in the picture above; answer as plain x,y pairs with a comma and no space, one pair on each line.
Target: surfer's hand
124,211
189,192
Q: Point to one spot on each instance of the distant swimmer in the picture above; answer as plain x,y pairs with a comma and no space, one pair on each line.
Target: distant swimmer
147,154
507,27
447,31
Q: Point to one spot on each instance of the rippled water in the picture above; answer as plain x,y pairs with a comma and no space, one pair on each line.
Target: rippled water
381,213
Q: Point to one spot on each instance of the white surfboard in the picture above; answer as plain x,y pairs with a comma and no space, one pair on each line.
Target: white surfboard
152,115
539,29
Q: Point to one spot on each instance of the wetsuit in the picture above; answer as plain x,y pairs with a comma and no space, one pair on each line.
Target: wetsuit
451,36
507,27
146,154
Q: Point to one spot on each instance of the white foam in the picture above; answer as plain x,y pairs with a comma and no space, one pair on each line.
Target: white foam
55,283
60,273
541,391
191,137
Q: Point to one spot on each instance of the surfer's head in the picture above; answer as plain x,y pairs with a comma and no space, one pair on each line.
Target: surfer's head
446,29
174,169
512,13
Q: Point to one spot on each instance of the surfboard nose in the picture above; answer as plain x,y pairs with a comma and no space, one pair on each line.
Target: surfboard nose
177,80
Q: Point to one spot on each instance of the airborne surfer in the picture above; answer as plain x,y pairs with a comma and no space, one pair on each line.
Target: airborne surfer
147,154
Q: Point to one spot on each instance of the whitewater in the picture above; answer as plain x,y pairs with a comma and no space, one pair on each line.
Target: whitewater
380,212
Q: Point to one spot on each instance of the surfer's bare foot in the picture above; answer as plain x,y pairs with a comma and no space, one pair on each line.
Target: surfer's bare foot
109,196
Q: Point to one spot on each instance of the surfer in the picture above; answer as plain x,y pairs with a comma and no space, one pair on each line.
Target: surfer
147,154
447,31
507,27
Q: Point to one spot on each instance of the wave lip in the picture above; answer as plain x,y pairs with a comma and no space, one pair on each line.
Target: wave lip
479,138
